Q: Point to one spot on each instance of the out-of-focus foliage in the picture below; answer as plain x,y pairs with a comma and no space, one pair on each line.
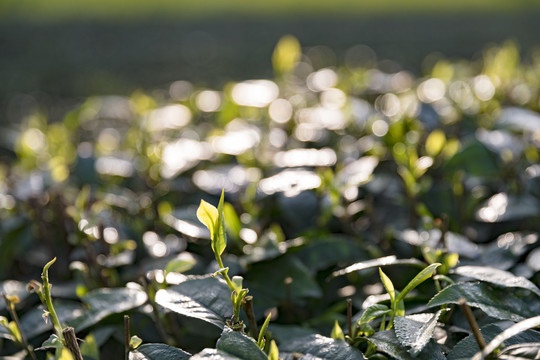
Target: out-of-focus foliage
329,173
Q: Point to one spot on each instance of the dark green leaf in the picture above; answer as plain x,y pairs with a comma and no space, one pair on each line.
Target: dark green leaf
237,344
415,331
467,347
475,159
107,301
205,298
158,352
322,347
272,275
497,277
322,253
497,303
387,342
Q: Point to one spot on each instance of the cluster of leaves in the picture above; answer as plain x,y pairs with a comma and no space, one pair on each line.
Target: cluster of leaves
357,198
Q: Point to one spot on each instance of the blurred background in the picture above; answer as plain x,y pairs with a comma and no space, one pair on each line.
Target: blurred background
56,52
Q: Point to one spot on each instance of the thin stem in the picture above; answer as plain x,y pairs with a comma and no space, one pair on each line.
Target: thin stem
127,336
349,318
15,317
224,273
71,343
472,323
247,305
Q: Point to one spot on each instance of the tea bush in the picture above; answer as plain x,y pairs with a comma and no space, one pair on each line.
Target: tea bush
360,214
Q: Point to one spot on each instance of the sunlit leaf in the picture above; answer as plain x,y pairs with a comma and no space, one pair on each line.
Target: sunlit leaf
435,142
135,342
497,277
179,265
387,342
322,347
507,334
214,354
286,54
374,311
468,347
237,344
388,286
89,348
521,352
65,355
158,352
497,303
417,280
208,215
415,331
384,261
337,332
273,353
220,241
204,298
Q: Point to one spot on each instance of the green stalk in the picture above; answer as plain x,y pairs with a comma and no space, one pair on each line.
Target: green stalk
224,273
48,299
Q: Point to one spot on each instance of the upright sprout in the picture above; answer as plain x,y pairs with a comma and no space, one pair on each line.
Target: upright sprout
214,220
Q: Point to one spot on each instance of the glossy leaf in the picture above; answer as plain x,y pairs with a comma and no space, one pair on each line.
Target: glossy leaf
273,353
208,215
417,280
220,241
107,301
384,261
435,142
468,347
205,298
214,354
286,54
158,352
388,286
507,334
415,331
497,303
521,352
387,342
237,344
322,347
498,277
373,312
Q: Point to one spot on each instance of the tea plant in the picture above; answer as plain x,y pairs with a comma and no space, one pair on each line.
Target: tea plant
371,214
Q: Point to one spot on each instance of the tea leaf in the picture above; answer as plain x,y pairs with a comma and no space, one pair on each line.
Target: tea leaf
158,352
